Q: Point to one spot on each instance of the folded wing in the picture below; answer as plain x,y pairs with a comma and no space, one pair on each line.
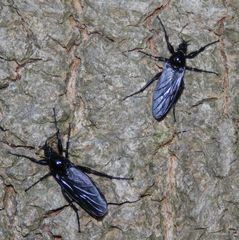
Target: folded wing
80,188
167,91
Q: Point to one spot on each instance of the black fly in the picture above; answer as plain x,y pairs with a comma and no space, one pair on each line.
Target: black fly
76,186
170,81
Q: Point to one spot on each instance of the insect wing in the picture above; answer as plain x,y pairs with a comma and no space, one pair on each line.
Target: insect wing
167,91
82,190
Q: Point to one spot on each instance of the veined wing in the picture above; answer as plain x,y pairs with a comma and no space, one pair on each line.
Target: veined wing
80,188
167,91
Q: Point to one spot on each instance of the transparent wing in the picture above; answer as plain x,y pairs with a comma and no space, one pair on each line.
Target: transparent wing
167,91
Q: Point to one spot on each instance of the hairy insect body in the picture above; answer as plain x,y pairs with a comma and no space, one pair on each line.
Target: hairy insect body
170,81
76,186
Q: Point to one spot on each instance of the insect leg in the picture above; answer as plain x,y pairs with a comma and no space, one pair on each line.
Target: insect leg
195,53
68,141
199,70
41,162
45,176
161,59
58,135
169,45
145,86
122,203
174,114
70,201
91,171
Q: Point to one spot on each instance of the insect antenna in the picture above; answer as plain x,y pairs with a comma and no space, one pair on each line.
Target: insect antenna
183,41
180,33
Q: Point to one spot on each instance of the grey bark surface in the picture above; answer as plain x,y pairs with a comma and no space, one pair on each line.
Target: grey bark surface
81,58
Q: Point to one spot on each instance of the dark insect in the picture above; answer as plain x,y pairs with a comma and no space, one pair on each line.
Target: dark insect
77,187
170,81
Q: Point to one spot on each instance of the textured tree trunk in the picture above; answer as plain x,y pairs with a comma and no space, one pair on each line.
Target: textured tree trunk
82,58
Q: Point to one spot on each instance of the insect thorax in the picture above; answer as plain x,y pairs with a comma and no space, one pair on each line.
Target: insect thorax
57,164
178,60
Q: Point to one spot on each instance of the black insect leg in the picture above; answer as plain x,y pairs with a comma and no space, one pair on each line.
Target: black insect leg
195,53
91,171
174,113
41,162
156,77
58,135
122,203
169,45
68,141
199,70
45,176
70,201
161,59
